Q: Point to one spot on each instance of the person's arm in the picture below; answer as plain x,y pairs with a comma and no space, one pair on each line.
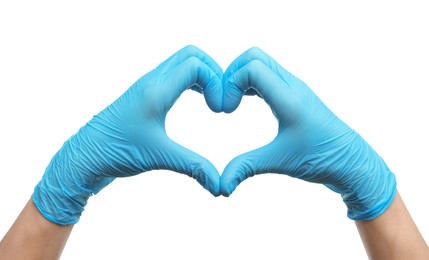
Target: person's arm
33,237
393,235
125,139
314,145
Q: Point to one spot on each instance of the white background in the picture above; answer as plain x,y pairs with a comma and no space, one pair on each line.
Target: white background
62,63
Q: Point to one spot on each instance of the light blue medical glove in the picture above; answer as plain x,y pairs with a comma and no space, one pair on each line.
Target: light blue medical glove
128,137
312,143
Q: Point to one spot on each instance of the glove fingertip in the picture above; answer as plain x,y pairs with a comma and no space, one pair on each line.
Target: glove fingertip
231,97
226,191
214,105
208,179
213,96
228,183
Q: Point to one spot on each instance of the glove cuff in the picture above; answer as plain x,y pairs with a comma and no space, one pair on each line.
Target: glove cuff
65,188
373,195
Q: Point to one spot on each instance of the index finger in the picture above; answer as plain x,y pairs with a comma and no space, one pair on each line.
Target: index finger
256,53
254,71
259,77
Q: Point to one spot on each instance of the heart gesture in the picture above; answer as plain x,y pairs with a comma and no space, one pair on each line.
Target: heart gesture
129,137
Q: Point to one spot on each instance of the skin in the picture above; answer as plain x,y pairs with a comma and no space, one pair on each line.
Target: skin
34,237
393,235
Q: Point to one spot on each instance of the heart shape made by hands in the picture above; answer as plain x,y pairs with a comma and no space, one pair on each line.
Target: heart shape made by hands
129,137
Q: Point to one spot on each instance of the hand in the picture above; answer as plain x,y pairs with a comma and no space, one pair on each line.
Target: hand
312,143
128,137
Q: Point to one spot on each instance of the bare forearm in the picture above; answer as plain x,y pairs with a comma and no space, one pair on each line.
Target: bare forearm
393,235
34,237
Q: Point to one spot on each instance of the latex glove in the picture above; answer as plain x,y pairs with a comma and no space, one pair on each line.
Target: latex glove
312,143
128,137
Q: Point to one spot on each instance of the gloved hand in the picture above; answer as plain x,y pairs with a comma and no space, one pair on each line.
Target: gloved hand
128,137
312,143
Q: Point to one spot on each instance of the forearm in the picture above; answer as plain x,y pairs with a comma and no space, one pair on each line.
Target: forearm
34,237
393,235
